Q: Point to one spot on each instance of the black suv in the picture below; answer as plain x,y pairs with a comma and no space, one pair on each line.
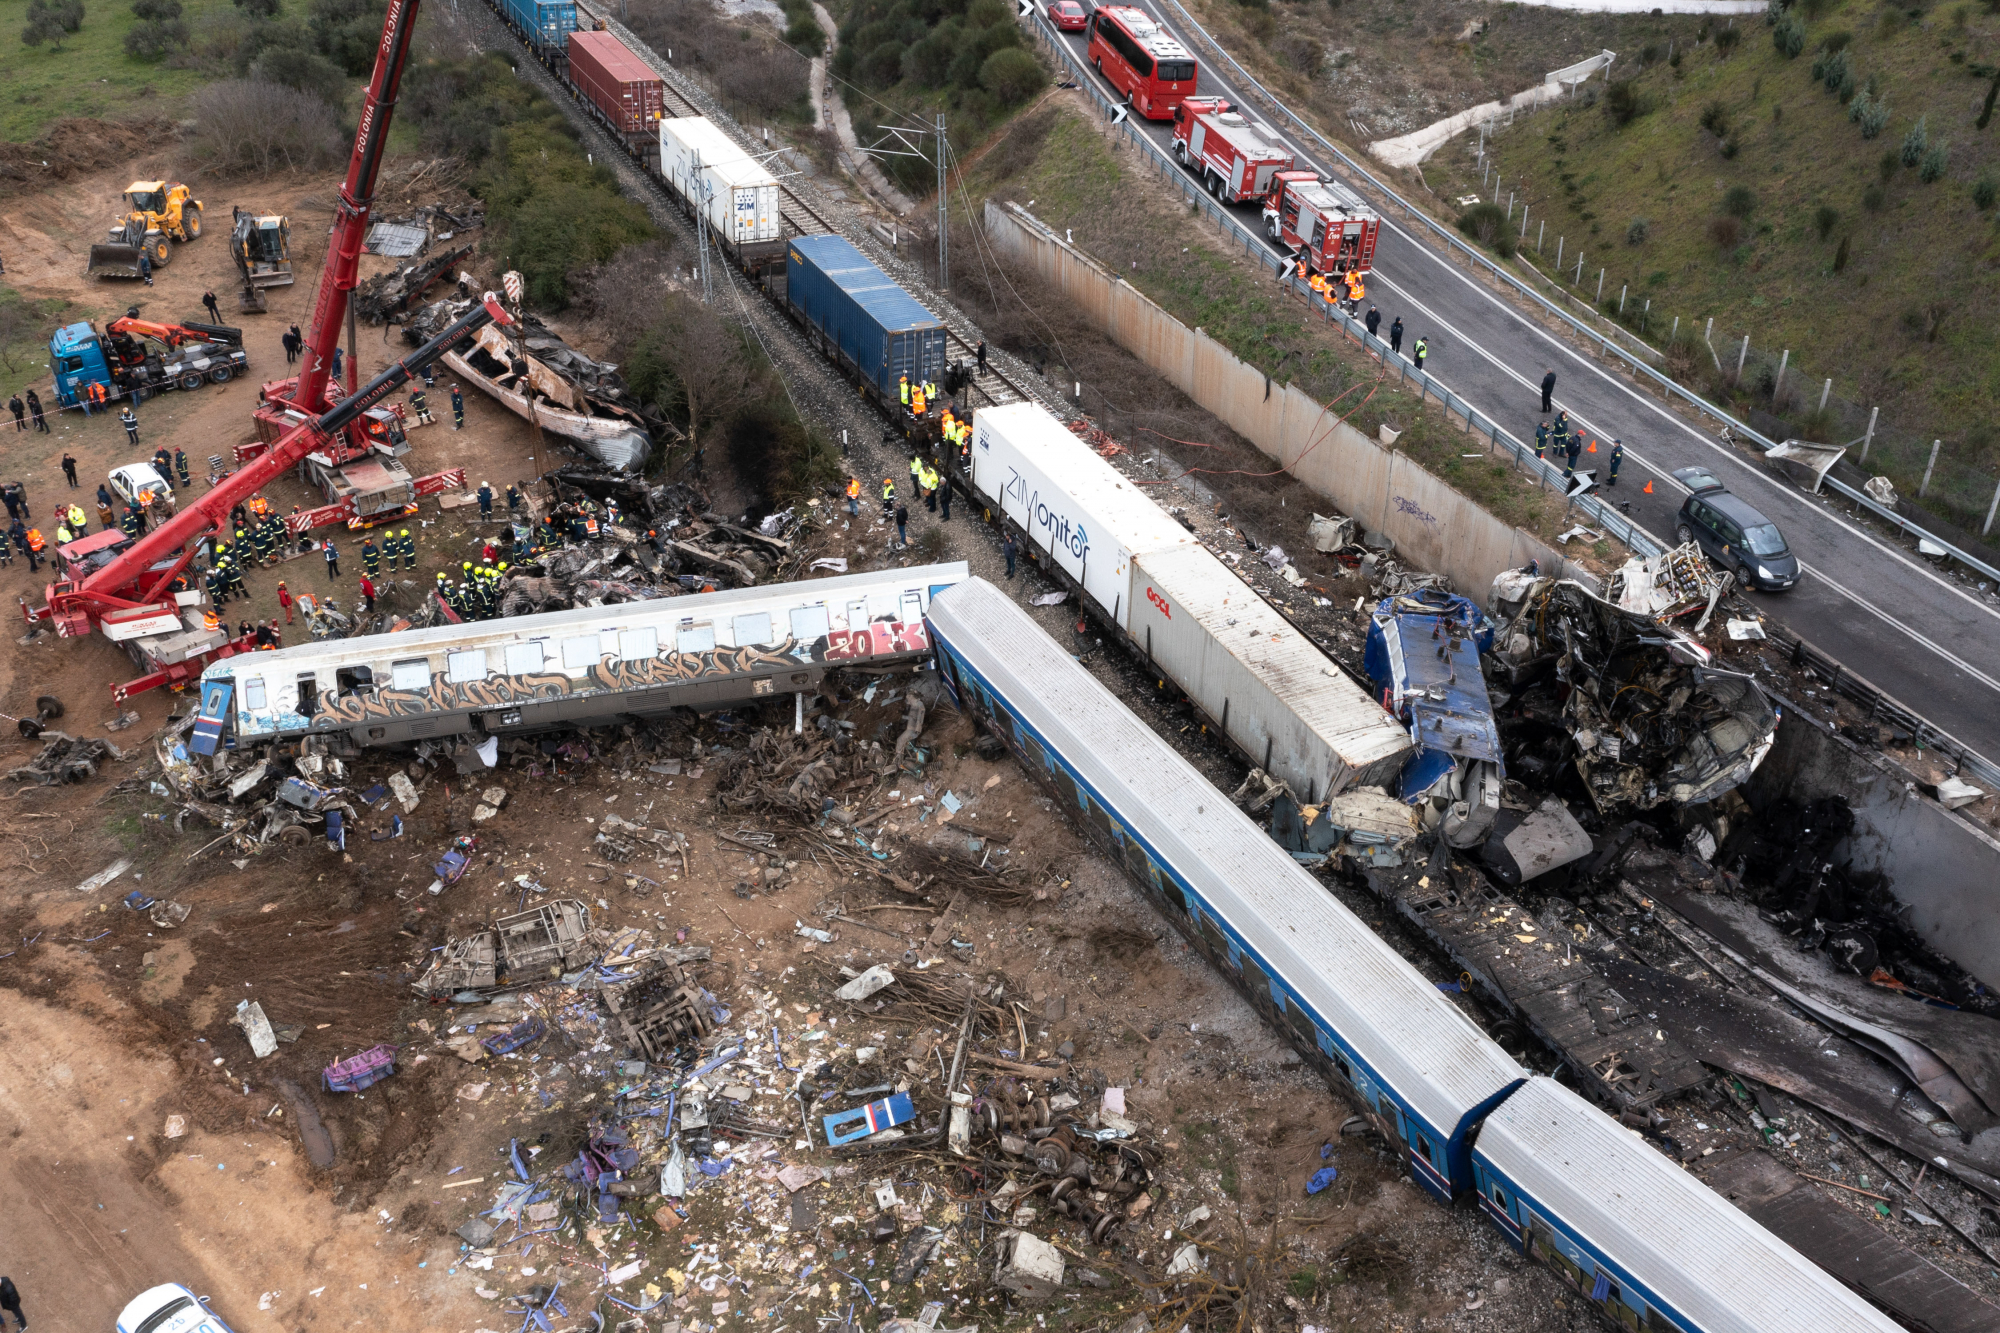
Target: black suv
1733,534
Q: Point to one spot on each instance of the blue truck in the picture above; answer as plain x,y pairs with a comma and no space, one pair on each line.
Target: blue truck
545,25
856,313
135,357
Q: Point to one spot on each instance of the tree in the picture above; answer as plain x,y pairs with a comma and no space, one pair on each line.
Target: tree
156,10
259,9
1915,142
695,365
1789,37
1012,75
307,71
1936,158
50,20
157,37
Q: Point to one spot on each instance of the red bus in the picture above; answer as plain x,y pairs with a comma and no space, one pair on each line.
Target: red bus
1141,60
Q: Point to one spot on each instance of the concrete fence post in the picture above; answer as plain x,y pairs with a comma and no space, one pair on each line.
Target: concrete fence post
1778,384
1825,391
1740,356
1621,297
1524,222
1559,253
1869,438
1600,284
1541,234
1927,469
1677,329
1991,510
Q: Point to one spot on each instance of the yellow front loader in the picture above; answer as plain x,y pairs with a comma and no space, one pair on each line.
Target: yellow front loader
159,211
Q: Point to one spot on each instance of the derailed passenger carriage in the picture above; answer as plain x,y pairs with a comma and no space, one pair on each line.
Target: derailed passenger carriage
565,667
1366,1018
1650,1245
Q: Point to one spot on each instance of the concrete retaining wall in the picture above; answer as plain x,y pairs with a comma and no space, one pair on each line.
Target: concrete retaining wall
1945,867
1435,528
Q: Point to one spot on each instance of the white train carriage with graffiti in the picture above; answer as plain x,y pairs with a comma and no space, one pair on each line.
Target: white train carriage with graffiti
565,667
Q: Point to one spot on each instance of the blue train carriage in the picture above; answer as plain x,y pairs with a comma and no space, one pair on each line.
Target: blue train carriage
859,318
1652,1246
545,25
523,673
1368,1020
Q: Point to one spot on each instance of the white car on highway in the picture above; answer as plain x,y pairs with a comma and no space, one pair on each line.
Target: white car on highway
169,1308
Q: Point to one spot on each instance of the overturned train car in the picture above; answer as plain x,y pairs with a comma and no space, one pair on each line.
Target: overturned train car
528,673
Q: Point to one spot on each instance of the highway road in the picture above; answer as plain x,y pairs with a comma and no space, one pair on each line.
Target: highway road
1879,610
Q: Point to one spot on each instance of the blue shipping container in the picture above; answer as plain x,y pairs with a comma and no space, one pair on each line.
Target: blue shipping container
545,23
857,308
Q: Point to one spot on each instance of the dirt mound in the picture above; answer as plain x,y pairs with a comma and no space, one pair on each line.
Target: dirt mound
76,146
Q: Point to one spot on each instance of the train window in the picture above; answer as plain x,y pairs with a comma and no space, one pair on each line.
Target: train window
753,627
857,614
465,666
524,658
308,694
349,681
696,639
638,645
1424,1149
253,693
913,607
810,623
415,674
1499,1198
581,654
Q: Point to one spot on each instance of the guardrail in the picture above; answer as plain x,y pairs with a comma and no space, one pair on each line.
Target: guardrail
1669,387
1597,511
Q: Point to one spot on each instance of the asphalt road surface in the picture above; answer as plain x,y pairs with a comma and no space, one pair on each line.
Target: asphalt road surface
1879,610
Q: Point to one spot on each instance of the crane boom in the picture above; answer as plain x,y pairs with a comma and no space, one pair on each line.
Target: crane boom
117,585
357,197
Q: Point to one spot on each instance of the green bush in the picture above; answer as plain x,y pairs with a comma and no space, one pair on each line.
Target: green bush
1789,36
1635,231
802,30
1874,118
259,9
1623,103
1936,158
1012,75
1715,119
1487,224
1740,202
1915,142
157,11
1984,193
155,39
307,71
1726,39
1825,218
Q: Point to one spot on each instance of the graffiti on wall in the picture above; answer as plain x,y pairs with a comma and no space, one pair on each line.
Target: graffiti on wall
610,674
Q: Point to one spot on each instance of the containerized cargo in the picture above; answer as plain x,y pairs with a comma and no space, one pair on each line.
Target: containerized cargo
1075,508
861,318
1288,705
543,24
623,88
722,181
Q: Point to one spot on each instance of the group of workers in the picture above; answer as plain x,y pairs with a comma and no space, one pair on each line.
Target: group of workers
1347,286
1570,445
475,596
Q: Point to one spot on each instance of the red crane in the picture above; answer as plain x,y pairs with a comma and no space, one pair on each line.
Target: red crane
133,594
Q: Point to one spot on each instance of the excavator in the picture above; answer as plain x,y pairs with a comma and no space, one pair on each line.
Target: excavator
262,244
159,210
137,598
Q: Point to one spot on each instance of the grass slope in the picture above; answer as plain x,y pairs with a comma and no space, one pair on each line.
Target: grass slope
91,75
1764,207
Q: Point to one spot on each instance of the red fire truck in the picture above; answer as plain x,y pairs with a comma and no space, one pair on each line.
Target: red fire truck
1140,59
1322,222
1237,159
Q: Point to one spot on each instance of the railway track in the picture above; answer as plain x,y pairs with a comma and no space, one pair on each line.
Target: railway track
799,215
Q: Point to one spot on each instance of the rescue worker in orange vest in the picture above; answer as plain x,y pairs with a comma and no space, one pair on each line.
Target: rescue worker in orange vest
210,621
35,545
888,499
1305,273
903,389
854,497
917,401
260,506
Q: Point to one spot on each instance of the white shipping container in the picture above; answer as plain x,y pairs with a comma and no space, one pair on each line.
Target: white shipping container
1071,504
741,196
1287,704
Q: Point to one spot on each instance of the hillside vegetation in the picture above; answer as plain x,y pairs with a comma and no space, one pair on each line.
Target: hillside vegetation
1823,181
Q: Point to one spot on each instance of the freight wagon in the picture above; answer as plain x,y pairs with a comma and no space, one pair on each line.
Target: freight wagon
623,91
1279,699
858,317
724,184
1236,159
544,25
